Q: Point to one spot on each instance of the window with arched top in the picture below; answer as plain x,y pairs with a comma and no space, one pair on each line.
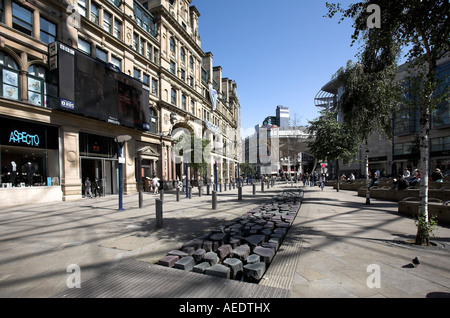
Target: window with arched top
182,54
172,44
37,74
9,77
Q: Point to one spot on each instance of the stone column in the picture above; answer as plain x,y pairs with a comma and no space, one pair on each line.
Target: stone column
70,160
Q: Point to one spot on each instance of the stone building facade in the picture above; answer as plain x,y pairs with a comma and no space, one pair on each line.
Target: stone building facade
74,75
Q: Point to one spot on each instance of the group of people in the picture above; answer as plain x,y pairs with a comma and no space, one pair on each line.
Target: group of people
92,186
311,179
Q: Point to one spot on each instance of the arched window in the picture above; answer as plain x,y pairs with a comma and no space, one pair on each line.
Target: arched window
153,121
9,77
37,75
182,54
172,44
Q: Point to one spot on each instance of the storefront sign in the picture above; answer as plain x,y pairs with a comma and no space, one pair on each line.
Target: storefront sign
67,104
23,137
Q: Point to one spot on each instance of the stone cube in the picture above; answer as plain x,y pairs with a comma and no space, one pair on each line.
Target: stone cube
266,254
254,258
199,255
185,263
201,268
223,251
241,252
254,272
168,260
236,267
219,270
211,258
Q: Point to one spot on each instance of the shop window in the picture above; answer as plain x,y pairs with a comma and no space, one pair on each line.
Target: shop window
36,85
29,154
97,146
9,77
22,19
48,31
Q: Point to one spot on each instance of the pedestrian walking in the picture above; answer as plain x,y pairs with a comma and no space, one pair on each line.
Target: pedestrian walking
96,187
155,184
87,188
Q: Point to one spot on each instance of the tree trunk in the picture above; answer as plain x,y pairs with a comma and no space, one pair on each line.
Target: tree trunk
366,164
338,175
422,237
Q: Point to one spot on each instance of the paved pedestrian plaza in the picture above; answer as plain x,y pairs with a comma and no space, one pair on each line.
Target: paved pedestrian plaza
337,247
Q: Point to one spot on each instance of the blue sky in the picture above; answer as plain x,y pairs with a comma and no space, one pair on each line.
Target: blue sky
278,52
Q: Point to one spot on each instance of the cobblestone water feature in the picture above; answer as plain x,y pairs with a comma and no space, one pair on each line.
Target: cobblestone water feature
243,248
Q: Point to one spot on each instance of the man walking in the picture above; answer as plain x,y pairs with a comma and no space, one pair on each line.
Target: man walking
87,188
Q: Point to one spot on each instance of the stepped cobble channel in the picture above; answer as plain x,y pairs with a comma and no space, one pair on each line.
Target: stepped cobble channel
243,248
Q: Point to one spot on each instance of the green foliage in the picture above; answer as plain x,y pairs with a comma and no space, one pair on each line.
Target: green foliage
369,98
422,27
330,140
426,228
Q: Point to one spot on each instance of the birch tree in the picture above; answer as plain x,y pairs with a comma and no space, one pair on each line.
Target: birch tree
421,28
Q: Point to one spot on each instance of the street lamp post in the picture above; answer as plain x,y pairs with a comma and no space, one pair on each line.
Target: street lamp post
215,175
120,142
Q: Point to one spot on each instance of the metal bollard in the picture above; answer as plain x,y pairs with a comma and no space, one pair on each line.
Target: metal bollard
161,195
239,193
190,192
220,187
262,186
141,199
208,189
199,191
178,194
214,200
254,188
159,213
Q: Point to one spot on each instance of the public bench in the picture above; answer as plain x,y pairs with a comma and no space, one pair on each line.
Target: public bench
410,206
386,193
